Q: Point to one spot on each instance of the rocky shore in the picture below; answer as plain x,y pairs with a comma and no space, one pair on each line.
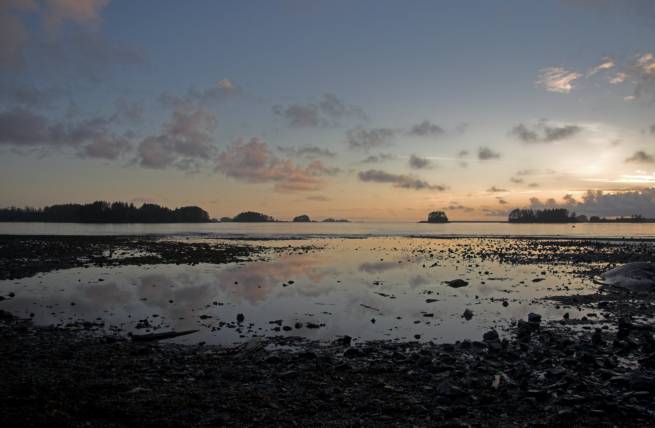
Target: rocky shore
580,372
538,376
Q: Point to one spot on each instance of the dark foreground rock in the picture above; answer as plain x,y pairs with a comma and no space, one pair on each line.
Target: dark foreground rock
549,377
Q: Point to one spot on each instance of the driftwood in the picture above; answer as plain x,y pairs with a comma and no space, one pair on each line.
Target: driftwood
160,336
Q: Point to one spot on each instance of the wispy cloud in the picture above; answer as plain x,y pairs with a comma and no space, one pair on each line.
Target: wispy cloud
417,162
367,139
485,153
307,151
398,180
382,157
252,161
426,129
557,79
641,156
328,111
544,132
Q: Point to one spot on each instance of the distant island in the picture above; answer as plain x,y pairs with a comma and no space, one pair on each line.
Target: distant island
249,217
436,217
562,215
256,217
105,212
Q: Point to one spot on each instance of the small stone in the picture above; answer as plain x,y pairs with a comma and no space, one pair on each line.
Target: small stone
491,336
468,314
535,318
240,317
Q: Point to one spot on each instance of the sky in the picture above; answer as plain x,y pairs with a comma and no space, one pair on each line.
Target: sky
368,110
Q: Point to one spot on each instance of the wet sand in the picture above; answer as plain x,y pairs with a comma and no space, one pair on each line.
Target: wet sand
576,370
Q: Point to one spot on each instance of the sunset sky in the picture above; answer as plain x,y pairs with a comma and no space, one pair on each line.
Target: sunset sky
368,110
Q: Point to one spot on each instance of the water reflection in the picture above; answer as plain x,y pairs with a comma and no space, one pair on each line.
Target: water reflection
376,288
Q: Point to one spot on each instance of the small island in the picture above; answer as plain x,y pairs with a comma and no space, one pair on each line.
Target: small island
436,217
105,212
304,218
252,217
332,220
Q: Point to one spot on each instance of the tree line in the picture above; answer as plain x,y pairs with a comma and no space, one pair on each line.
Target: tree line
561,215
106,212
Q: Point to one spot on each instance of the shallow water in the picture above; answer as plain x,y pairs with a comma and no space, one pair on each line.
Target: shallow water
286,229
341,285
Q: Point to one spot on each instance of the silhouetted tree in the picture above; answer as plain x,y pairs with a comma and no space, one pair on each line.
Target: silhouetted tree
105,212
437,217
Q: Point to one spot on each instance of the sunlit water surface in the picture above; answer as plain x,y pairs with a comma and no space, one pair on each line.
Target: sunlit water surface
286,229
375,288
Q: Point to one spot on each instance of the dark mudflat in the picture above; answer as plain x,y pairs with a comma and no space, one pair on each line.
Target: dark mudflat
541,376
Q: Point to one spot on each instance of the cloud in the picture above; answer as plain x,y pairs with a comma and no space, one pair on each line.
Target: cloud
454,206
382,157
68,44
557,79
186,141
15,35
367,139
318,198
196,98
89,137
605,65
107,148
533,185
253,162
641,157
597,202
619,77
494,189
398,180
78,53
416,162
501,201
543,132
492,212
84,12
426,129
462,153
306,151
13,32
643,71
485,153
328,111
516,180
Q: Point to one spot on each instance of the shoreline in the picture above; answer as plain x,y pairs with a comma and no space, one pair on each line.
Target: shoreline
578,372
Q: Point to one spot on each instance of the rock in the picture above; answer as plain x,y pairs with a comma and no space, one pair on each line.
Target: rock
597,337
468,314
240,318
491,336
457,283
353,353
525,329
636,277
535,318
344,341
